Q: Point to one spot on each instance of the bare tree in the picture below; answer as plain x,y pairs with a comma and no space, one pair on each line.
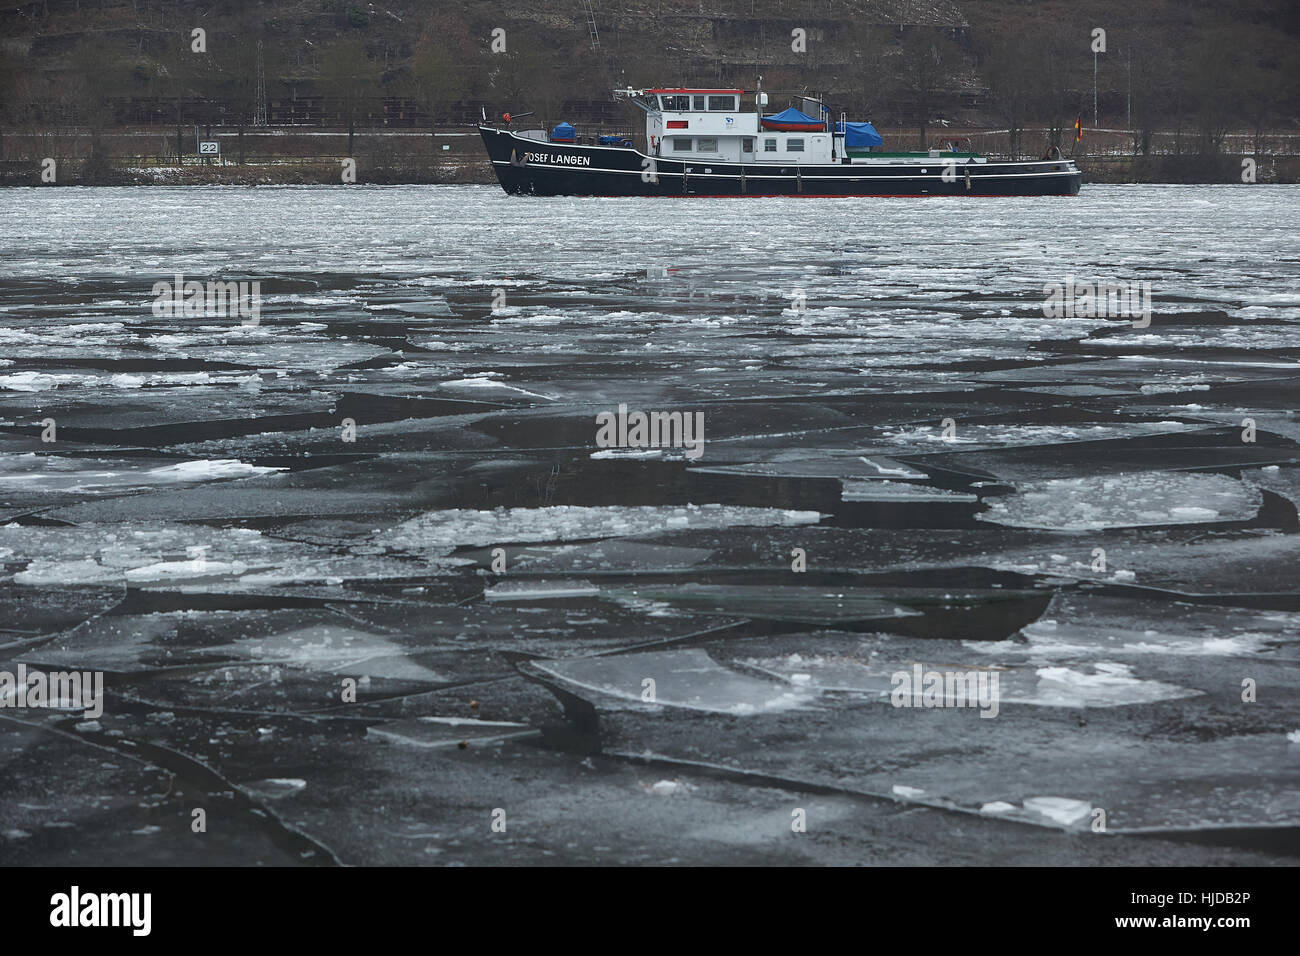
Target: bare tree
1268,80
927,68
1217,90
872,49
173,79
1012,74
432,81
348,78
529,78
94,80
1148,70
514,74
1058,51
46,110
549,94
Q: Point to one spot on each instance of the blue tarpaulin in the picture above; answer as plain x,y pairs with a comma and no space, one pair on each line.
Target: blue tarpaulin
563,133
791,119
859,135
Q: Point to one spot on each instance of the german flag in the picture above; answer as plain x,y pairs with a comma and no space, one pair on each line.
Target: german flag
1078,128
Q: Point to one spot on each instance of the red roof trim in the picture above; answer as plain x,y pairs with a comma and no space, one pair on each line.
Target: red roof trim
736,92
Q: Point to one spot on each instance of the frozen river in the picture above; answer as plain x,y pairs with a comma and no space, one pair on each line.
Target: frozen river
392,551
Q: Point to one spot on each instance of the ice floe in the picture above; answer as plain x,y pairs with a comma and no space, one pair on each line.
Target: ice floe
1123,501
175,555
339,650
441,732
442,531
1091,625
539,590
899,491
1103,684
688,679
1063,810
843,605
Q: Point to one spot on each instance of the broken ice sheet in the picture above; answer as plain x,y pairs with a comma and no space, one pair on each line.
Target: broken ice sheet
379,492
149,415
1173,447
1063,810
997,806
1103,684
32,473
778,604
687,678
977,436
610,554
1131,371
433,732
490,384
1124,501
274,347
27,612
1280,481
1149,766
900,491
800,465
274,788
90,554
539,590
1080,624
337,650
140,643
159,554
441,532
398,307
1226,563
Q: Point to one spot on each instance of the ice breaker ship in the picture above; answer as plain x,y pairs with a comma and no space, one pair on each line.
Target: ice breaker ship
702,143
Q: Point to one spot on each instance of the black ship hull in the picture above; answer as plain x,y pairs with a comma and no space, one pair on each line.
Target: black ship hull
535,168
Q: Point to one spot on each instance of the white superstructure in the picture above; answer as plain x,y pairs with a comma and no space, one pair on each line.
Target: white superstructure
698,124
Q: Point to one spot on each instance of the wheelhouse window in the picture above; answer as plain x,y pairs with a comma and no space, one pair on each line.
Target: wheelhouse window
722,104
699,103
681,144
794,146
769,145
706,145
678,102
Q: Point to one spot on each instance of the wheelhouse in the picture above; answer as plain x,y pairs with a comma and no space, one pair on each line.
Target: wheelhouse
699,124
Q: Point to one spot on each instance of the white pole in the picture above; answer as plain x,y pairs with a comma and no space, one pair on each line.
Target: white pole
1130,89
1094,88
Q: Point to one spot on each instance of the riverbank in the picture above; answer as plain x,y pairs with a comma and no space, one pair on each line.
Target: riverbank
317,172
289,156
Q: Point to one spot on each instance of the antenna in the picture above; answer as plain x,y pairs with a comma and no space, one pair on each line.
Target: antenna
259,110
